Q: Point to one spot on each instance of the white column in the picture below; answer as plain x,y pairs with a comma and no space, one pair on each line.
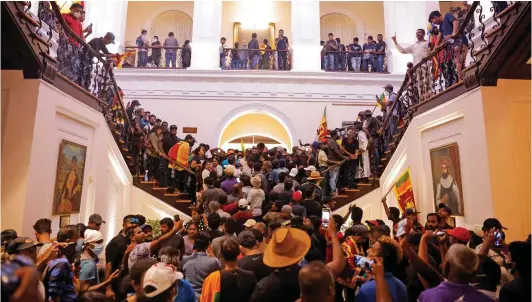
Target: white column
108,17
206,31
404,28
305,42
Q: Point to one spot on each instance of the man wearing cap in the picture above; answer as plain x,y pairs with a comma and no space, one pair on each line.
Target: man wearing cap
488,225
292,176
297,208
444,212
390,110
161,282
252,259
286,214
230,181
24,246
447,191
100,44
95,221
243,213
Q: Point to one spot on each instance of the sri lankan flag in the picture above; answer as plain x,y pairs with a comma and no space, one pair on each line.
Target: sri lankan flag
121,58
383,99
403,191
322,131
242,147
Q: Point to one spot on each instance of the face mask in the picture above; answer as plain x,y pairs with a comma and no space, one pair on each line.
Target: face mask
76,15
98,249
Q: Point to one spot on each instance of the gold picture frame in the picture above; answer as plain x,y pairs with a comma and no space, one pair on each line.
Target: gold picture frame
269,32
447,181
69,178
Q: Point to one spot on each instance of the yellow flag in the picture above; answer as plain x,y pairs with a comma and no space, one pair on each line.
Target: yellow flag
242,146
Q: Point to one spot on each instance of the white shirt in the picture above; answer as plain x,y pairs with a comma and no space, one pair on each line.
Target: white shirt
419,50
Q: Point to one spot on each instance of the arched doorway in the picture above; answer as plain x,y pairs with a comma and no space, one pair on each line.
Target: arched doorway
255,123
172,21
340,25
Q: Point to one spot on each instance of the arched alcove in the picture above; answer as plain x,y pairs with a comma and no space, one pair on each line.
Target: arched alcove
255,120
172,21
340,25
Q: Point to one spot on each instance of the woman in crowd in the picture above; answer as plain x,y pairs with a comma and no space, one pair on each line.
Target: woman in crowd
186,54
192,231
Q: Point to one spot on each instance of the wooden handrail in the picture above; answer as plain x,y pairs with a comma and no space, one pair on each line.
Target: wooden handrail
173,162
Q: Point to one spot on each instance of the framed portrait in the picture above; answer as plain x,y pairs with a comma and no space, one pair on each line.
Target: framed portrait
64,220
69,178
446,178
452,221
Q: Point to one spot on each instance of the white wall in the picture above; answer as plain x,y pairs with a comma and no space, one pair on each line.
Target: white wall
106,180
460,121
151,207
209,99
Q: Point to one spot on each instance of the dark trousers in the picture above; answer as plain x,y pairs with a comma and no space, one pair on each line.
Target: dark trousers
163,172
153,165
352,165
282,58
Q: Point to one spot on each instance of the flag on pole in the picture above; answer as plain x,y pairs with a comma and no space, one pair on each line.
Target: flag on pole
403,191
383,100
242,146
322,130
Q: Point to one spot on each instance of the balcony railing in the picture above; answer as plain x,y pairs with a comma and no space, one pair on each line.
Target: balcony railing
264,59
454,63
351,61
158,57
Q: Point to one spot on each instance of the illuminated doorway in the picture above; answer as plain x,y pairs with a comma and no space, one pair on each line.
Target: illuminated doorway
253,126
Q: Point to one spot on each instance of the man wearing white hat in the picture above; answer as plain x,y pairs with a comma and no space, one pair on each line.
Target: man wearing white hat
162,282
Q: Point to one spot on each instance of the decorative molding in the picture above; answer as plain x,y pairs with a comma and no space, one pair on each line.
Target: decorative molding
442,120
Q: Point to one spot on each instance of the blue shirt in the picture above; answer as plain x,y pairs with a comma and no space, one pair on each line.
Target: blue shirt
281,43
185,292
446,27
197,267
88,270
368,291
60,277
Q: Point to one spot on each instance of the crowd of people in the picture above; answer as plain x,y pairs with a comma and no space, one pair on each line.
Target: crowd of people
291,253
369,57
170,47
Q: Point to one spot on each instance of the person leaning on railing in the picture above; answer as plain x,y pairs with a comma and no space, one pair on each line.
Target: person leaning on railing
72,19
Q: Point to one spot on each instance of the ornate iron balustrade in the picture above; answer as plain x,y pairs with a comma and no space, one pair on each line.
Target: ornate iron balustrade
456,61
351,61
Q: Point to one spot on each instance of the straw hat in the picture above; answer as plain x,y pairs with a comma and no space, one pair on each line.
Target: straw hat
314,175
287,247
255,181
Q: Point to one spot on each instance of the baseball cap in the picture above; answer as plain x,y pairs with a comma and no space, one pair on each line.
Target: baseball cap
491,223
287,209
296,196
243,203
250,223
110,36
388,86
410,211
293,172
189,137
360,229
96,218
92,236
159,278
20,244
461,234
310,168
247,239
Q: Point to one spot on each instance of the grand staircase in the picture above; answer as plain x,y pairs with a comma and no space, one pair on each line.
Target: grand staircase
30,45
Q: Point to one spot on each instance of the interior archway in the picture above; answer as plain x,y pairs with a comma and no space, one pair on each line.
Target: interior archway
254,127
340,25
174,21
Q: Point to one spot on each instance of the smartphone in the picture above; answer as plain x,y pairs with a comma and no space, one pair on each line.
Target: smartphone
176,217
325,216
498,238
440,233
238,180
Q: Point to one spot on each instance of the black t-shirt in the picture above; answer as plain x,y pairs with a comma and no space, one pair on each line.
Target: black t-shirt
357,48
98,45
381,46
169,141
156,51
281,285
516,290
373,126
350,147
313,207
214,234
254,264
176,242
236,285
115,250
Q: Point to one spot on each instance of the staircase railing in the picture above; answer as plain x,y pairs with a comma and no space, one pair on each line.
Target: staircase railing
456,62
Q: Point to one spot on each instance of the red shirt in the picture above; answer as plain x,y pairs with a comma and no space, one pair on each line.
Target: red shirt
230,208
75,26
241,216
328,250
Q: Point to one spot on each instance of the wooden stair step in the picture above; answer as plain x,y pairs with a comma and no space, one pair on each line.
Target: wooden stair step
121,141
184,201
159,188
173,194
148,182
387,151
125,149
397,135
391,145
365,184
352,190
384,159
342,196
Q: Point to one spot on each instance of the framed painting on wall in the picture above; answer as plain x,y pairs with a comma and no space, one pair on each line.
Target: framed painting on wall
64,220
69,178
446,178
